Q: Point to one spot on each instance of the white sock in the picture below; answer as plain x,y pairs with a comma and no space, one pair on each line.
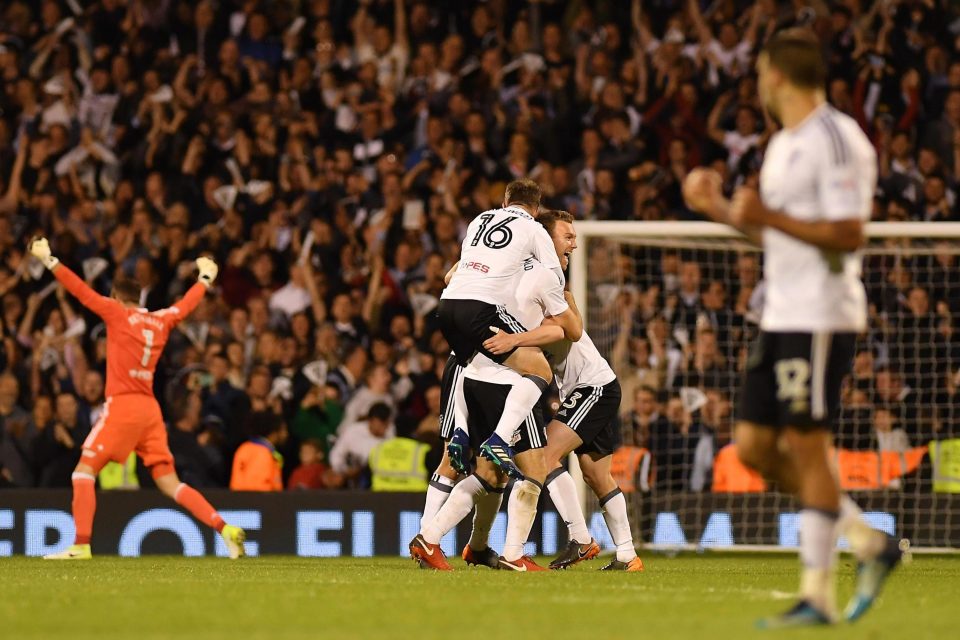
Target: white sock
438,491
460,412
524,394
865,541
614,507
817,552
488,505
456,508
563,493
521,511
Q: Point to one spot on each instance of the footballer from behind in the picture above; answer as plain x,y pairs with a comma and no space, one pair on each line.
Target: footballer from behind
131,418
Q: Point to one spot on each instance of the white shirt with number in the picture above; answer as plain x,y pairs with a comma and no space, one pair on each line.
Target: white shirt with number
576,364
497,244
823,169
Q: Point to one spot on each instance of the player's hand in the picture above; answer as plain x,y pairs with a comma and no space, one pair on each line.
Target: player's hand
746,208
208,270
702,189
40,249
501,342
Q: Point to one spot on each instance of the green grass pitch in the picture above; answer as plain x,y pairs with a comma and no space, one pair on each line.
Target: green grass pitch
704,597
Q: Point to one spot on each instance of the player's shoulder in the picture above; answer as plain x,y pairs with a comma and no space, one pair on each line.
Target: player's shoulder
539,277
837,136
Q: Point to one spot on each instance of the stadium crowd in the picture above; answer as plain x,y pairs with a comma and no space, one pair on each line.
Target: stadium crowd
329,154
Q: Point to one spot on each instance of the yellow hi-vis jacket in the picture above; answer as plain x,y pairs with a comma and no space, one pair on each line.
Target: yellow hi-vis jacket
399,464
945,458
115,475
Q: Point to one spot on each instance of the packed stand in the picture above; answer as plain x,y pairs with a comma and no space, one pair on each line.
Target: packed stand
329,155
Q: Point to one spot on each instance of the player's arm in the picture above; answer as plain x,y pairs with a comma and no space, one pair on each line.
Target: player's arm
703,192
100,305
830,235
563,321
207,272
841,202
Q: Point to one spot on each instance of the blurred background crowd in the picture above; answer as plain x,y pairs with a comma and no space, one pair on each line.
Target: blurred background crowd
329,154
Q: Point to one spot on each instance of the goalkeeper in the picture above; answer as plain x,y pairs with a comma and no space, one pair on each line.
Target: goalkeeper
131,419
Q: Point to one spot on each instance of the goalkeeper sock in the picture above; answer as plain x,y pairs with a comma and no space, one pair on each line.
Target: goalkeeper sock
84,505
437,493
817,553
456,508
524,394
614,507
521,511
488,505
563,493
191,500
865,541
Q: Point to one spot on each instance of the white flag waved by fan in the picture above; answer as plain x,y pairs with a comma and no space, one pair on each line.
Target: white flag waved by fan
692,399
316,372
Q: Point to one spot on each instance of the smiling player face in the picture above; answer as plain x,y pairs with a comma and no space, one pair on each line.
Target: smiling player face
565,241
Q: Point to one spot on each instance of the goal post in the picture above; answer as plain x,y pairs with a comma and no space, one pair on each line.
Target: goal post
673,307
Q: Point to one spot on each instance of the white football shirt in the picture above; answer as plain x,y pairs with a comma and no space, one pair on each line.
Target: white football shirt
576,364
822,169
497,244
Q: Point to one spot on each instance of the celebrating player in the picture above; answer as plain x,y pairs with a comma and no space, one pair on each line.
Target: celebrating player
586,422
486,386
131,419
491,261
816,190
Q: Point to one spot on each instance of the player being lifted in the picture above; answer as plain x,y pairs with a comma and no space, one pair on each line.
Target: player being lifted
131,419
587,423
816,190
486,385
538,294
491,261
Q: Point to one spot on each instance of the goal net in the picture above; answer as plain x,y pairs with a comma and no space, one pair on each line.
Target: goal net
674,306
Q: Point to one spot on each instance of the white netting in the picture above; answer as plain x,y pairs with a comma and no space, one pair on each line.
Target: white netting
673,307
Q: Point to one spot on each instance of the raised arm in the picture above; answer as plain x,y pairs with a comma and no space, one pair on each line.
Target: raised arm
703,31
178,312
100,305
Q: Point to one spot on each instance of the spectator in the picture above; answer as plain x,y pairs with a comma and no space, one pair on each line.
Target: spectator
312,473
257,465
355,442
58,446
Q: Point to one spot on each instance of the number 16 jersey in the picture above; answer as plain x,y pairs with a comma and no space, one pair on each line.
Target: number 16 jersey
492,256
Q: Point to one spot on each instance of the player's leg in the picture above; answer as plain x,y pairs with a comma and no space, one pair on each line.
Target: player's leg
108,440
613,505
155,453
425,547
808,371
441,484
534,377
83,507
482,403
454,427
477,550
522,505
445,476
561,440
758,447
820,499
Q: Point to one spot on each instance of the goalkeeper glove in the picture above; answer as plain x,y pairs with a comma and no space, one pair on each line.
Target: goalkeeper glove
208,270
40,249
